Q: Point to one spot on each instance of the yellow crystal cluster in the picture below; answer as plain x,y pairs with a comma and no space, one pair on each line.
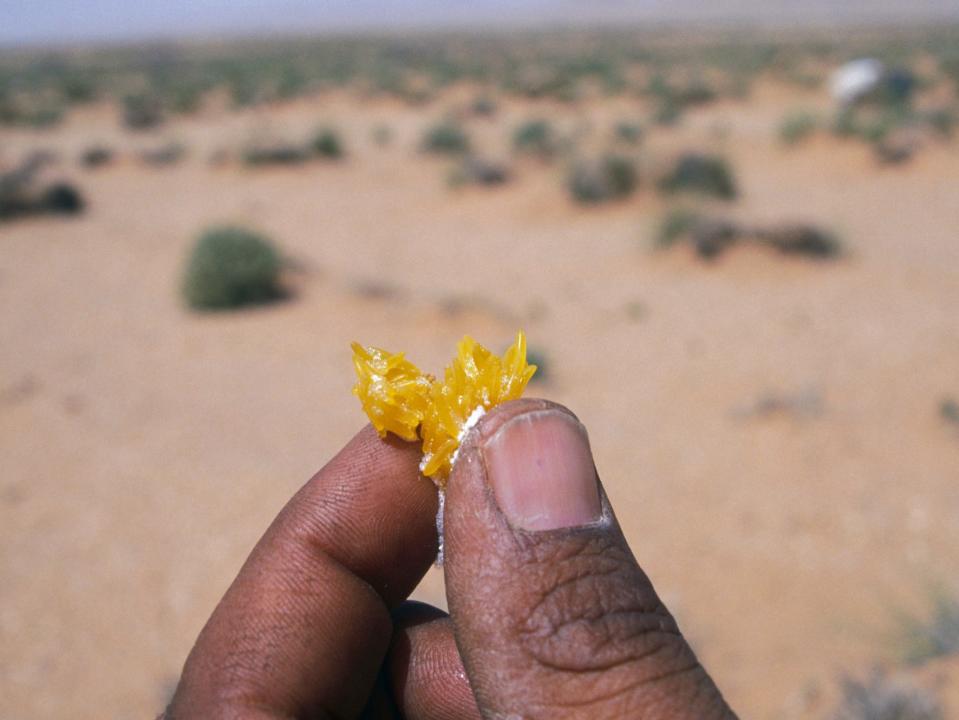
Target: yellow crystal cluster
400,399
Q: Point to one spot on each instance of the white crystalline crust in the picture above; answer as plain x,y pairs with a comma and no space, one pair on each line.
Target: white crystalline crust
470,423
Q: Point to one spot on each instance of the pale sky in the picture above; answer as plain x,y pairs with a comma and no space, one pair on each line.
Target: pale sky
59,21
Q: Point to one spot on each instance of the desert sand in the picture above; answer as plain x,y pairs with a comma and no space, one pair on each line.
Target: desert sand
766,427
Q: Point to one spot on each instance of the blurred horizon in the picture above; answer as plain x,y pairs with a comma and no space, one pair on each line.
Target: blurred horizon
59,22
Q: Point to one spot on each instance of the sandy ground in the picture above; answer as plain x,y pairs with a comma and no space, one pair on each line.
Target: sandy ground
144,449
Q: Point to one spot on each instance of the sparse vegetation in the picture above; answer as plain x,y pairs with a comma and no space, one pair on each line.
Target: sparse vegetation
937,634
630,133
710,236
949,410
536,138
142,112
483,106
800,239
163,155
880,697
595,181
96,156
797,126
327,144
701,174
21,194
60,198
445,138
475,170
537,357
275,153
231,267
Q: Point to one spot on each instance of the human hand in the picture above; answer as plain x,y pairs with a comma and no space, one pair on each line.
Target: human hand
550,615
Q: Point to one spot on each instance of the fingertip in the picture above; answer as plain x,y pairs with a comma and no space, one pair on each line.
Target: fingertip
426,673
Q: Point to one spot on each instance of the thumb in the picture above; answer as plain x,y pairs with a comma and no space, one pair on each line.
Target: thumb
552,615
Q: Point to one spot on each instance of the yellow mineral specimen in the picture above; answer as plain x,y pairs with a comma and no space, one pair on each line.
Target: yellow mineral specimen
393,391
397,397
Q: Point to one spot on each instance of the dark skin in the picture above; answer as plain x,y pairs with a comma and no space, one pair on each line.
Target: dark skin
556,623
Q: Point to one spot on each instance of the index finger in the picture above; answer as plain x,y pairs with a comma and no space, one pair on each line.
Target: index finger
305,626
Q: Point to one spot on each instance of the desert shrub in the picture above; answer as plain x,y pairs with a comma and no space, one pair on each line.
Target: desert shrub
697,92
880,697
278,153
667,113
627,132
936,634
185,98
534,137
710,236
231,267
796,127
141,112
875,128
537,357
941,120
60,198
42,117
949,410
801,239
21,194
844,124
445,138
898,87
163,155
474,170
702,174
608,178
677,224
327,144
96,156
483,106
895,151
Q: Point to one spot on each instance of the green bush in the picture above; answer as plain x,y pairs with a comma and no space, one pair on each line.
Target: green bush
141,112
537,357
279,153
796,127
474,170
667,113
231,267
675,226
949,410
483,106
596,181
710,236
800,239
844,124
937,634
327,144
942,121
96,156
630,133
702,174
163,155
445,138
61,199
880,697
534,137
22,195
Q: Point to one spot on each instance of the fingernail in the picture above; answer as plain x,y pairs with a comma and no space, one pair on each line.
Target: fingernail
541,471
